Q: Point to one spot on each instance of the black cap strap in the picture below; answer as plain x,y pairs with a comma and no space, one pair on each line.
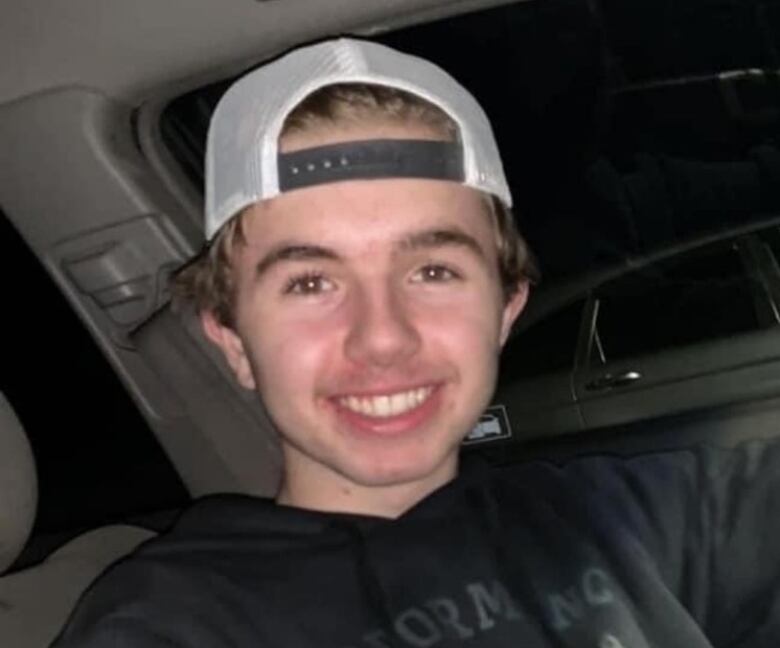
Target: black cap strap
371,159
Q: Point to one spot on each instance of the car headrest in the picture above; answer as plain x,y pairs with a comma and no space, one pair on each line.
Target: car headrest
18,486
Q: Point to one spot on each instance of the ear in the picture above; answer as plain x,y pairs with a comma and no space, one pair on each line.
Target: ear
232,346
513,308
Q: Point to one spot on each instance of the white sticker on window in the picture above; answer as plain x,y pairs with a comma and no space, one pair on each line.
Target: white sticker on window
492,426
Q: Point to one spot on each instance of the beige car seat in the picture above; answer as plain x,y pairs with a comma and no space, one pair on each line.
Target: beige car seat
36,602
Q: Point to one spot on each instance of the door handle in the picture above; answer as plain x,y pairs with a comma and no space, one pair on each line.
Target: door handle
609,381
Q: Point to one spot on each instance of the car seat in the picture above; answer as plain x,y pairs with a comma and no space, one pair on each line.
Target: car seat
35,602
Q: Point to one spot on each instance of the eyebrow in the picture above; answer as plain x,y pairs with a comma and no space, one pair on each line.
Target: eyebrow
293,252
438,238
422,240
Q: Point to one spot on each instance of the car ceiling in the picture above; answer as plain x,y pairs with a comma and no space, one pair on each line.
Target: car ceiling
131,49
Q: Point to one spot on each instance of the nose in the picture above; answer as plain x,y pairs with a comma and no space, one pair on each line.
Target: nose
382,328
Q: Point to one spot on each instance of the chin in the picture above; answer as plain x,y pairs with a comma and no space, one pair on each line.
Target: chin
396,471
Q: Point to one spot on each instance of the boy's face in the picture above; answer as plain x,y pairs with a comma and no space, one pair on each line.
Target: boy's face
369,317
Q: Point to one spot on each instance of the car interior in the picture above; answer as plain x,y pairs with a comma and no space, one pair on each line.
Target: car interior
640,139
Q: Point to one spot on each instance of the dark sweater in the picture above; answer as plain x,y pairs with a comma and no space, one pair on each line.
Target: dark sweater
670,550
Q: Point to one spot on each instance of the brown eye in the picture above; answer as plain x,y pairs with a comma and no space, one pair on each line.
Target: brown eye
308,284
435,273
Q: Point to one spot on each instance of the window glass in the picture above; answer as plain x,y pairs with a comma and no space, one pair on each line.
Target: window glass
702,295
97,459
771,238
546,346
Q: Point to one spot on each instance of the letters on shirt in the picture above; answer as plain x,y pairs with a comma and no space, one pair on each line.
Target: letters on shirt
481,606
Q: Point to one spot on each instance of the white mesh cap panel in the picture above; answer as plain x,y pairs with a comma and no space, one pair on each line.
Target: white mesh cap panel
241,155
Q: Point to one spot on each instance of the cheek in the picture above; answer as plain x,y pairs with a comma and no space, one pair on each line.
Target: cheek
291,354
468,331
474,315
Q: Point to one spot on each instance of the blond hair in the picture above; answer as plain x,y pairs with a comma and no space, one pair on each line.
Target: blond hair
207,281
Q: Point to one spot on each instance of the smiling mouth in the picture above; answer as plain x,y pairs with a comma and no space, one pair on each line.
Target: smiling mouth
386,405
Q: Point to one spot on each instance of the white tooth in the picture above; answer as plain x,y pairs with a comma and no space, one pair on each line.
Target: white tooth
387,405
399,403
382,406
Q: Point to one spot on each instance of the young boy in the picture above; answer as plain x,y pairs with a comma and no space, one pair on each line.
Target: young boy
362,275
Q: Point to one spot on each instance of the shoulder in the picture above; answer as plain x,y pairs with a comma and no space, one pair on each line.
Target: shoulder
594,472
659,496
161,585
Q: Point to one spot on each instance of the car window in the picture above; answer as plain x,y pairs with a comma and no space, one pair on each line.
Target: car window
546,346
770,240
96,457
700,296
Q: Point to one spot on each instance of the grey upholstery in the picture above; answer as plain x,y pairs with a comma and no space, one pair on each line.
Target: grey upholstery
36,602
18,486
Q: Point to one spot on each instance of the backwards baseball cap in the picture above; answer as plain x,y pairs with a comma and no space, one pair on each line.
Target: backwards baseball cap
243,161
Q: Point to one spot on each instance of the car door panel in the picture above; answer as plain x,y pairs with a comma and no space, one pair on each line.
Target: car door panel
726,371
695,330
